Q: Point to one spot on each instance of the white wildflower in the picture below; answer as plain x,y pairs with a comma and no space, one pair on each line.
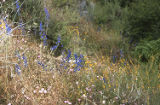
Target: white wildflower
9,104
67,102
84,96
34,91
45,91
41,91
77,82
23,90
103,102
26,97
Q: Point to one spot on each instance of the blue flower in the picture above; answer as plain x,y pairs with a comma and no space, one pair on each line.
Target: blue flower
114,59
41,28
54,47
22,27
8,29
47,13
25,60
68,56
59,39
18,70
57,43
41,64
44,38
78,62
17,6
104,80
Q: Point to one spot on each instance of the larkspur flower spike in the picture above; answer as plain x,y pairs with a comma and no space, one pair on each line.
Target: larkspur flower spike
18,70
17,6
47,14
40,27
25,60
8,28
78,62
57,44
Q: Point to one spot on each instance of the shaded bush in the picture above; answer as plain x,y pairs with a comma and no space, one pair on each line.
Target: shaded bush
146,49
144,21
123,3
110,14
143,27
63,3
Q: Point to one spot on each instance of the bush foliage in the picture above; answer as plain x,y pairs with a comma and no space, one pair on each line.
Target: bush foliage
147,49
110,14
144,21
143,28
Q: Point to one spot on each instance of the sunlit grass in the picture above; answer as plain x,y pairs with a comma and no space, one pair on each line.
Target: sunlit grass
99,82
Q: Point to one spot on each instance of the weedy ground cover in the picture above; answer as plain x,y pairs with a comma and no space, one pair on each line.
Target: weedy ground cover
31,75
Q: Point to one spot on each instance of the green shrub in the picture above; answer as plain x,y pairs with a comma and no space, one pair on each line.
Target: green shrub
123,3
144,21
105,14
63,3
60,24
145,50
143,27
110,14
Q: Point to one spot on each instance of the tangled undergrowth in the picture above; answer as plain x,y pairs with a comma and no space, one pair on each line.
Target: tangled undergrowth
30,75
41,79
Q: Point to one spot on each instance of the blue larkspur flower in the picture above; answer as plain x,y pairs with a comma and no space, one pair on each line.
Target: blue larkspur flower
53,48
68,56
25,60
57,43
59,39
17,6
40,28
18,70
78,62
8,28
44,38
114,59
22,28
104,80
47,13
43,66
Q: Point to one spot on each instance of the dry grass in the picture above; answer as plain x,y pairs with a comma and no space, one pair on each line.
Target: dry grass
24,88
99,82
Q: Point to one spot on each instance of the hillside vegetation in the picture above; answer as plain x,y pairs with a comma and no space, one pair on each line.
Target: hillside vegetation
79,52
